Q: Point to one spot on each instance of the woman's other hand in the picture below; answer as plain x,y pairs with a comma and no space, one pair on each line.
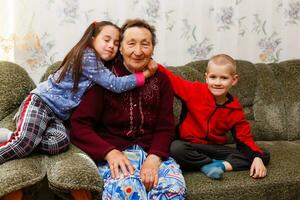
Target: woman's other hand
149,171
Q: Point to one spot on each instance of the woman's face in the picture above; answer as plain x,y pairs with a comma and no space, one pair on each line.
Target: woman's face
106,43
136,48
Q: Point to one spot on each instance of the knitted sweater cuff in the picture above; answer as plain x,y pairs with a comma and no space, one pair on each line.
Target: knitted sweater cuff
140,79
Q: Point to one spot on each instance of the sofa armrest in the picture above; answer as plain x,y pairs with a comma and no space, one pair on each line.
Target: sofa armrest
21,173
73,170
8,121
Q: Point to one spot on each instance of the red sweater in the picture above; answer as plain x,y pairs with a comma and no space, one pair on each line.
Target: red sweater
104,120
207,123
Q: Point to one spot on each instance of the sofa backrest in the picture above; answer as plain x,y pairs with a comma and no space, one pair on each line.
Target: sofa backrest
288,75
15,86
50,70
269,93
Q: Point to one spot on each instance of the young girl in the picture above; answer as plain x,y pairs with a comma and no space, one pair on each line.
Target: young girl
41,115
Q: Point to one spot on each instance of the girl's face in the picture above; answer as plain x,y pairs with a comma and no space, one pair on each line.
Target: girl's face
107,42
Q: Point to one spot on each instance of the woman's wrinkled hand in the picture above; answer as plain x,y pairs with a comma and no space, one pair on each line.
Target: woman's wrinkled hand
118,161
149,171
151,69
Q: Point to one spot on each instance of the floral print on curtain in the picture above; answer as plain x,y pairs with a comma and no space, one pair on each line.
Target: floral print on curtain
34,33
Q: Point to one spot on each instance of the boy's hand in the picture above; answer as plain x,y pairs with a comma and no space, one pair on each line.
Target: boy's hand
151,69
258,169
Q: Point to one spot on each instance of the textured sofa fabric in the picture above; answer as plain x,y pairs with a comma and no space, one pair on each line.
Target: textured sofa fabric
73,170
37,173
15,86
270,94
23,173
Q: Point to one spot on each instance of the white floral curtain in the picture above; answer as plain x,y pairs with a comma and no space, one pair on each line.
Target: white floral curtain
36,33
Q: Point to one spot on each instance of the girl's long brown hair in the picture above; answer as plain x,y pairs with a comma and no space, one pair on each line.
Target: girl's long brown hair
73,60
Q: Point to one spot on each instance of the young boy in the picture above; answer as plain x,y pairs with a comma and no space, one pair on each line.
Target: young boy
211,113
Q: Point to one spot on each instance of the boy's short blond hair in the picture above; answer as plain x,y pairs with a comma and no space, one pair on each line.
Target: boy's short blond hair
222,59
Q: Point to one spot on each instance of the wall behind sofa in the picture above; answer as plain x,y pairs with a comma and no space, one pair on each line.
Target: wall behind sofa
36,33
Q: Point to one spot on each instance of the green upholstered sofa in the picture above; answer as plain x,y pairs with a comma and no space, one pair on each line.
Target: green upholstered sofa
270,94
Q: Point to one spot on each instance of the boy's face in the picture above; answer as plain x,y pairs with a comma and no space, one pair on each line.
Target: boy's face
220,78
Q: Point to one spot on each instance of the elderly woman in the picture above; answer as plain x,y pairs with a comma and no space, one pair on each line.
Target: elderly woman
129,134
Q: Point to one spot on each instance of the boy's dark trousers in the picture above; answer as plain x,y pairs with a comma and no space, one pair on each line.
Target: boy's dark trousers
192,156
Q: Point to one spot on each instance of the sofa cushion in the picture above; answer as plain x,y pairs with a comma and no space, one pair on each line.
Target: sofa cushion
15,86
282,181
